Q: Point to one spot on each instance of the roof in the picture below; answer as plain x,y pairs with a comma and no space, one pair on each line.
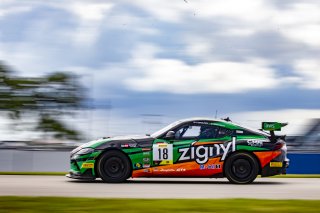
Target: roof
200,119
221,120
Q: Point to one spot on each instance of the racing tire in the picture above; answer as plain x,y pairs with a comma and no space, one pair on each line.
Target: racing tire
114,167
241,168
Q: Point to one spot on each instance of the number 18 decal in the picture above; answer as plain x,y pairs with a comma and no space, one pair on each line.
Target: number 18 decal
163,152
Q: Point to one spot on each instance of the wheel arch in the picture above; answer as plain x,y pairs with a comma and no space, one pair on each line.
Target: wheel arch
241,151
105,151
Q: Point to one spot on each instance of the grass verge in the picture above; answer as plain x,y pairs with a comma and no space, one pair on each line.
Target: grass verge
55,204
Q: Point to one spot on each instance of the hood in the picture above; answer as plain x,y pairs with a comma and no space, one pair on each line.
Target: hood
120,141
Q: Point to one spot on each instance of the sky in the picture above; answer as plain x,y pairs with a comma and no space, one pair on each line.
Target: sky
146,62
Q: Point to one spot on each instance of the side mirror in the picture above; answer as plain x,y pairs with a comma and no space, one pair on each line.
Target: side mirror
170,135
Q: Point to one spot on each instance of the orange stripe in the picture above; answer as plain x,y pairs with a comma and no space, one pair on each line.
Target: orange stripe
181,169
266,157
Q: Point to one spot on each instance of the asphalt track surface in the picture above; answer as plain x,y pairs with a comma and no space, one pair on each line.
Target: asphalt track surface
262,188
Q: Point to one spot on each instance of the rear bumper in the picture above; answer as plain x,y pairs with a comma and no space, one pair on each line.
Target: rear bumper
276,166
285,166
270,171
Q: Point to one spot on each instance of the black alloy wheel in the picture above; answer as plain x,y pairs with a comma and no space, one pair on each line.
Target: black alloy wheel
114,167
241,168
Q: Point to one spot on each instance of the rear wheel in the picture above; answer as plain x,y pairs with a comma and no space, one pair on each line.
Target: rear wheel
114,167
241,168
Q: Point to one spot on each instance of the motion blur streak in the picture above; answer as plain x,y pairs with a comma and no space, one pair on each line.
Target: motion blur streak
269,188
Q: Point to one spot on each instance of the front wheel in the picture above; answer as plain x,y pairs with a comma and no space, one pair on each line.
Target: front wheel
241,168
114,167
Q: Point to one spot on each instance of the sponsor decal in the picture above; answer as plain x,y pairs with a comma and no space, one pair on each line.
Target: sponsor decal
201,122
87,165
133,145
146,160
202,153
256,143
269,126
273,126
146,170
275,164
138,165
146,153
210,166
166,162
172,170
146,165
167,170
146,149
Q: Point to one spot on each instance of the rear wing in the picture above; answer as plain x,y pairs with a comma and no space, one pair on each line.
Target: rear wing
273,126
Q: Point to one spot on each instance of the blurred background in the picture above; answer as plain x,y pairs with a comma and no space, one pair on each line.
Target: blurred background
74,71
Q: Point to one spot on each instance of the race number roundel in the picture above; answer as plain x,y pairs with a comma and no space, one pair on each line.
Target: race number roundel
163,152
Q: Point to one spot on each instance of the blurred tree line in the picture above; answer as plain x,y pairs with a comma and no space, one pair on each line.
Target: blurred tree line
46,99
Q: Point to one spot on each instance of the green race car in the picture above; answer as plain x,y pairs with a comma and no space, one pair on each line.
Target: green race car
197,147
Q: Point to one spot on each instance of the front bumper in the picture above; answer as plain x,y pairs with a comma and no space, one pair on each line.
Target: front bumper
77,175
82,166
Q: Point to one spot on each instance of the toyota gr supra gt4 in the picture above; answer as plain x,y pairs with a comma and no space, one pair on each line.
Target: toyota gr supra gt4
198,147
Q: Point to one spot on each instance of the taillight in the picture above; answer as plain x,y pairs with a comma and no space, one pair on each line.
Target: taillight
278,146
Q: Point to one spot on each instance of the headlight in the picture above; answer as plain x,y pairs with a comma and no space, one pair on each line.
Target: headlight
75,151
85,151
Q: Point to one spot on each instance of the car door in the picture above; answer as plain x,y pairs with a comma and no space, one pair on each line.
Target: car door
194,159
165,150
188,152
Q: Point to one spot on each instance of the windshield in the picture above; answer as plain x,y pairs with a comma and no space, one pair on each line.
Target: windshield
165,129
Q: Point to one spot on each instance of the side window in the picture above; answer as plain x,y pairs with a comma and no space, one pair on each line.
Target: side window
201,131
192,132
188,132
223,132
208,131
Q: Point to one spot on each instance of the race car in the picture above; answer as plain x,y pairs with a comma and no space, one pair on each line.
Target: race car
196,147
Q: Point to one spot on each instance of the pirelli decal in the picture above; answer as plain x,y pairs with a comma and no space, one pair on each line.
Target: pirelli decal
87,165
275,164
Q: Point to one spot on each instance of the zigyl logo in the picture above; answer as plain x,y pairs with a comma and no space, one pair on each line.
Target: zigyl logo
202,153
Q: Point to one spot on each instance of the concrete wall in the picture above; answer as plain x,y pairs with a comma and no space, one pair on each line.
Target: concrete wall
58,161
45,161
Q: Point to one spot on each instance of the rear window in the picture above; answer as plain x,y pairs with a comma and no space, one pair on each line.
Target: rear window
241,132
